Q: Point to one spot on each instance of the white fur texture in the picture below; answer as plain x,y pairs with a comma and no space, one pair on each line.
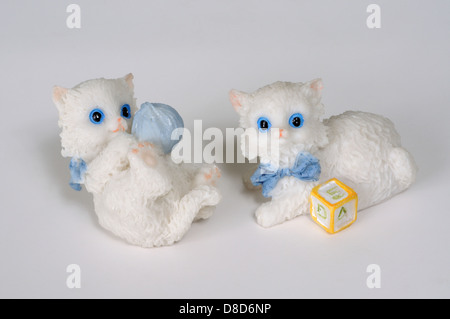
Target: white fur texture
361,149
139,193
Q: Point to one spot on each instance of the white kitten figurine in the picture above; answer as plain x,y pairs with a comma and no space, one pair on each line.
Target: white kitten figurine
139,193
361,149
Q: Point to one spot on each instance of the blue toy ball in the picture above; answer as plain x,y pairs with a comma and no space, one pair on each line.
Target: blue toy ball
155,122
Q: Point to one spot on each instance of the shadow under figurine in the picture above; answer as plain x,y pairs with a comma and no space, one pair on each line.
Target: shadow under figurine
362,150
122,156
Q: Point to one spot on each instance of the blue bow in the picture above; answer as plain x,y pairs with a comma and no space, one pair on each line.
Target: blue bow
306,168
77,170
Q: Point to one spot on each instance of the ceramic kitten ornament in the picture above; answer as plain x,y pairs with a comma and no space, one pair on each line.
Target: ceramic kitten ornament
139,193
362,150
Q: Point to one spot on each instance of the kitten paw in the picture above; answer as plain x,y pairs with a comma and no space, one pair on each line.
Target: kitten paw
266,216
205,213
149,158
144,154
208,175
206,195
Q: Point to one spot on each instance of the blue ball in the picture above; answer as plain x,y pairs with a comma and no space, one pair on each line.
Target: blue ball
155,122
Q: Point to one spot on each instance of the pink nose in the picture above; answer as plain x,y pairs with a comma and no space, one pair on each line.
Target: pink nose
121,126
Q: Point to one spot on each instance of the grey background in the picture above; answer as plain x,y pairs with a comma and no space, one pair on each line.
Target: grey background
189,54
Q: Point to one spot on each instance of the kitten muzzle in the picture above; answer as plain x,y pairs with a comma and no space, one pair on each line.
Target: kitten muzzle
120,126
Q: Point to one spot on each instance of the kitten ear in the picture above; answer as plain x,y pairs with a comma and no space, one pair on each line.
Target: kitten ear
238,100
129,79
59,94
312,91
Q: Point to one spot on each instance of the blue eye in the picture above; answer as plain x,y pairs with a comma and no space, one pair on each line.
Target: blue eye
125,111
264,124
96,116
296,120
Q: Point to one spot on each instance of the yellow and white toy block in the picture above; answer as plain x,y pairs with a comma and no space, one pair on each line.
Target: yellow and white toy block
333,205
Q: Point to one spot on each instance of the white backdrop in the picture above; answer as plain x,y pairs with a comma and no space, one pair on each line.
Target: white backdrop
189,54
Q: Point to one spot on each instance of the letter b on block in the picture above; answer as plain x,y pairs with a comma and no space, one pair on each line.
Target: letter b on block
333,205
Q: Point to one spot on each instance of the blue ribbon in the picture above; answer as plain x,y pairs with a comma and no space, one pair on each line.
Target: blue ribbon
306,168
77,168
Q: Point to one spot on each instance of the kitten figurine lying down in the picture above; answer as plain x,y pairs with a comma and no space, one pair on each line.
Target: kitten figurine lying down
360,149
139,193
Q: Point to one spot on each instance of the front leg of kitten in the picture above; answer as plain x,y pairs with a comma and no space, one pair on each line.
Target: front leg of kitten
290,198
111,160
148,172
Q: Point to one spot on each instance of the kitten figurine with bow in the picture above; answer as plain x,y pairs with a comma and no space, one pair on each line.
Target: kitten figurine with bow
139,193
362,150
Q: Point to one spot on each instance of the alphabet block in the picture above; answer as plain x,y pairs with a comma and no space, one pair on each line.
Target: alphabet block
333,205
